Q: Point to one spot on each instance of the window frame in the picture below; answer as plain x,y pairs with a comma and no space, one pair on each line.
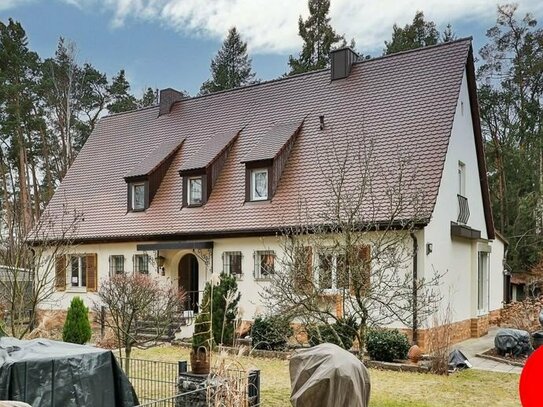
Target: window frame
112,265
227,263
334,283
135,264
483,275
252,178
133,203
189,191
257,271
81,272
461,179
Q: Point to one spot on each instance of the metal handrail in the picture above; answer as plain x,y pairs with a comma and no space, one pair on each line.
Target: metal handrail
463,209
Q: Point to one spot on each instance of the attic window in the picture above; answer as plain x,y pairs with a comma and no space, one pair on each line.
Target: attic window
138,196
259,184
195,191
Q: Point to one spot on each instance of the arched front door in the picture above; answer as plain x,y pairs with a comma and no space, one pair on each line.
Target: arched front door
188,280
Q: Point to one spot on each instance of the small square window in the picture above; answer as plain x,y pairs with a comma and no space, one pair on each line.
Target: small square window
264,264
141,263
259,185
232,263
195,191
138,196
116,265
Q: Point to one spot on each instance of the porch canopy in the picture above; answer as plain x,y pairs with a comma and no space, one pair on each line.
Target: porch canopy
180,244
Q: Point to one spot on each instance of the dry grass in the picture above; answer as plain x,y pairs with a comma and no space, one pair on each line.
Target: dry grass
469,388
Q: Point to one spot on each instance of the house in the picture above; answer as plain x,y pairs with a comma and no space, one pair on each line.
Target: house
201,185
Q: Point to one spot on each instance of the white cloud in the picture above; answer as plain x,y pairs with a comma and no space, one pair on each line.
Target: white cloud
271,26
8,4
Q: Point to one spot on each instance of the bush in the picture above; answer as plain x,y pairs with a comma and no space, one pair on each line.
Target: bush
271,333
225,308
77,327
341,333
386,345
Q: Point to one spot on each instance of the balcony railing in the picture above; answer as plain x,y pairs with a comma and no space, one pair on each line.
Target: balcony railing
463,209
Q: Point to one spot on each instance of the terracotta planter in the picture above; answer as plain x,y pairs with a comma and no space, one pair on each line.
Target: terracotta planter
414,354
200,360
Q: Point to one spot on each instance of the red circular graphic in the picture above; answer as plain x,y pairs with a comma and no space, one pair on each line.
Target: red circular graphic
531,392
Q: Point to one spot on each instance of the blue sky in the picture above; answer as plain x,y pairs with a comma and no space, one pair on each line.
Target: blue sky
169,43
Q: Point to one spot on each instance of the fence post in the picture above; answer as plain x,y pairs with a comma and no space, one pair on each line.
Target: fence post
253,387
182,367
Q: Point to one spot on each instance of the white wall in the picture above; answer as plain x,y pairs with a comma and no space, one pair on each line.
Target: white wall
496,274
457,257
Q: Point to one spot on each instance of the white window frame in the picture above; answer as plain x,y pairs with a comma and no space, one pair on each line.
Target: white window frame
334,289
112,265
135,262
134,185
189,191
483,273
227,266
258,261
80,283
253,184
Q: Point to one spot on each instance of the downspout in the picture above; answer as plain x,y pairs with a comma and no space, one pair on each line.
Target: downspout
415,289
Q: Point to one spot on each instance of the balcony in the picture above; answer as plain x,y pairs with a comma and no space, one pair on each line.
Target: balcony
463,210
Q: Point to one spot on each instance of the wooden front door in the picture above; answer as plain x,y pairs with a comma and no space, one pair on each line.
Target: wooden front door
188,281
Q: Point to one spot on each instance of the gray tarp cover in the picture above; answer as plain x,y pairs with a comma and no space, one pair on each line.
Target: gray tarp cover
47,373
328,376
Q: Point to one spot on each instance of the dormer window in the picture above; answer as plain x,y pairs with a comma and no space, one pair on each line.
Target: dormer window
259,184
138,196
195,191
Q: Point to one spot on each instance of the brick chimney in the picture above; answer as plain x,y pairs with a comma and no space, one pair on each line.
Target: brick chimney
167,98
341,61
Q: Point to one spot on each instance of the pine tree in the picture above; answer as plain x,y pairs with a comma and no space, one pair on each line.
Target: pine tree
420,33
319,39
150,98
119,93
448,34
231,67
77,327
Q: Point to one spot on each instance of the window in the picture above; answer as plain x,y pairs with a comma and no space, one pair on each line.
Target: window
141,263
259,185
232,263
482,282
195,191
461,178
138,197
116,265
78,271
332,272
264,264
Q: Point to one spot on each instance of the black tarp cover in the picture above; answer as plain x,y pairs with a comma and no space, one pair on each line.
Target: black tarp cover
328,376
46,373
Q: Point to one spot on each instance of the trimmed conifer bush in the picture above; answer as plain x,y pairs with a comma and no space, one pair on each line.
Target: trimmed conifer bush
386,345
77,327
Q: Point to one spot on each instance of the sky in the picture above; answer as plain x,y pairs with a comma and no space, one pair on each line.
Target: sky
170,43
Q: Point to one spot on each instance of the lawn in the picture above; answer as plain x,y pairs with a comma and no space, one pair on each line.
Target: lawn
468,388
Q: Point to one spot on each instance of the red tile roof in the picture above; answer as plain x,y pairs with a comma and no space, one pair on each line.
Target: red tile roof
389,112
212,148
155,158
273,141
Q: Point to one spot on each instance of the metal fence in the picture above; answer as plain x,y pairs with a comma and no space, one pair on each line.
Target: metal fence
156,384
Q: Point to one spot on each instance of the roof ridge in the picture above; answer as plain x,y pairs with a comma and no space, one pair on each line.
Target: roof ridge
139,109
419,49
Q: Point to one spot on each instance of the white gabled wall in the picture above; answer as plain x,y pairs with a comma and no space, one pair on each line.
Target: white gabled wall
457,257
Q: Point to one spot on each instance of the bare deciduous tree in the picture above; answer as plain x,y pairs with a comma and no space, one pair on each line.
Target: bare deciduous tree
133,298
28,264
354,259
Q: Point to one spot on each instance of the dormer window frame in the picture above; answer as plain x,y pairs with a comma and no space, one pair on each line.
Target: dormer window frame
253,168
255,194
186,189
190,192
131,195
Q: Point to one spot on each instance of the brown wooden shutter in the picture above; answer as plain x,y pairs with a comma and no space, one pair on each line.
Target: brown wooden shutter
60,272
303,279
361,271
92,272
